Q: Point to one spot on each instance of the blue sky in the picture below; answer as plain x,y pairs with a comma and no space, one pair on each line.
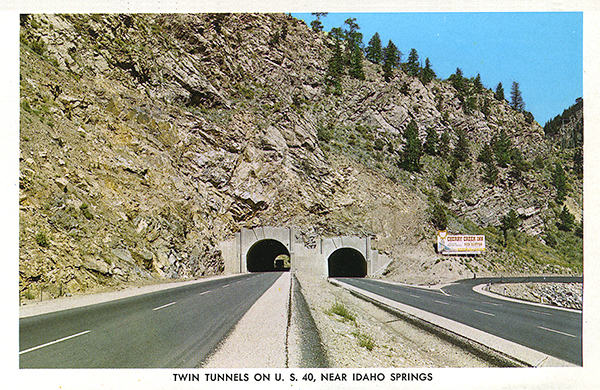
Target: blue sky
542,51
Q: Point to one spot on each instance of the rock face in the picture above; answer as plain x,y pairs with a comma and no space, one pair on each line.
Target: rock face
569,295
147,139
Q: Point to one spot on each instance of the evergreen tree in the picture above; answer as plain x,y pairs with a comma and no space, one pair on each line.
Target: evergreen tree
502,147
516,100
461,150
509,222
391,60
490,172
427,74
477,83
356,67
335,68
316,24
412,63
444,144
486,155
458,81
519,164
441,181
454,167
499,95
431,141
439,217
578,162
373,52
566,220
559,179
411,154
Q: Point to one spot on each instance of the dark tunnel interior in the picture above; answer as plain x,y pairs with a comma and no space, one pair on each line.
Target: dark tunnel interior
347,262
261,256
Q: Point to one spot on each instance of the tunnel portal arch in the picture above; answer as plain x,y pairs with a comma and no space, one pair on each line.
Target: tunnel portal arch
347,262
264,256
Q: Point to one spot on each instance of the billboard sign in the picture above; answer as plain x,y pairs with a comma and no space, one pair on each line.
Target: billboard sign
460,244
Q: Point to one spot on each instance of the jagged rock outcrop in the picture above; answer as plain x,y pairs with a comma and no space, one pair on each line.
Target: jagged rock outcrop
147,139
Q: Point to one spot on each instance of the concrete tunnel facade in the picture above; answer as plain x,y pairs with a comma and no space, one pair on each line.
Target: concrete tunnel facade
254,250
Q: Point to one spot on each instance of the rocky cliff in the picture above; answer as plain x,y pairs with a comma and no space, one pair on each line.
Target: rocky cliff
148,139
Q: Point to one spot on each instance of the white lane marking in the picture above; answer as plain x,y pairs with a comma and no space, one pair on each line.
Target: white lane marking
416,296
163,306
54,342
487,314
491,303
540,312
445,303
226,285
557,331
205,292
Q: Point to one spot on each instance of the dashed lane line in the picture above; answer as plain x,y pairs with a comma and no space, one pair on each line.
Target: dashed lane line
416,296
163,306
205,292
54,342
482,312
444,303
557,331
540,312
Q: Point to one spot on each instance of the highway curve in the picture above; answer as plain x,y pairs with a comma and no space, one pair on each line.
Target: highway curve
553,331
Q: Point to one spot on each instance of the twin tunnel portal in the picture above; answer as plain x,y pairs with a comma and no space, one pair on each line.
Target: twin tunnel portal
271,255
266,249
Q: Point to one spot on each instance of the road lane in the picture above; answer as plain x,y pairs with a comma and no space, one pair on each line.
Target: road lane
178,327
549,330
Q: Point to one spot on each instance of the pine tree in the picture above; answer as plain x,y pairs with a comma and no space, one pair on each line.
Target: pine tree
502,147
441,181
373,52
412,63
566,220
486,155
439,217
461,150
458,81
444,144
356,66
391,60
559,180
499,95
316,24
490,173
509,222
477,83
411,154
431,141
335,69
516,100
578,162
427,74
519,164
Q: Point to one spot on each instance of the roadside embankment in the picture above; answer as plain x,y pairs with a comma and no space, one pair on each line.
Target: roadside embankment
567,295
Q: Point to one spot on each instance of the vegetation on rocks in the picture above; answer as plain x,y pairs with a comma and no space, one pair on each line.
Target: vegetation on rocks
148,139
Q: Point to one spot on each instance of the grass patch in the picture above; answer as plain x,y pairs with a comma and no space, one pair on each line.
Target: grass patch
365,340
42,240
340,310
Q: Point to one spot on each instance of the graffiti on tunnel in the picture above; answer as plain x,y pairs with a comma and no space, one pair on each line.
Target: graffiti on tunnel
347,262
267,255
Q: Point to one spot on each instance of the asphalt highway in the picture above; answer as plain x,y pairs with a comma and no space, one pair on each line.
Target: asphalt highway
552,331
171,328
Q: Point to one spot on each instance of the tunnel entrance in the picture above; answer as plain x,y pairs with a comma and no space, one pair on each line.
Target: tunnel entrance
347,262
267,255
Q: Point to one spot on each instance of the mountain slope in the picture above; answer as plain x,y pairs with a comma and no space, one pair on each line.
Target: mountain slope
148,139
